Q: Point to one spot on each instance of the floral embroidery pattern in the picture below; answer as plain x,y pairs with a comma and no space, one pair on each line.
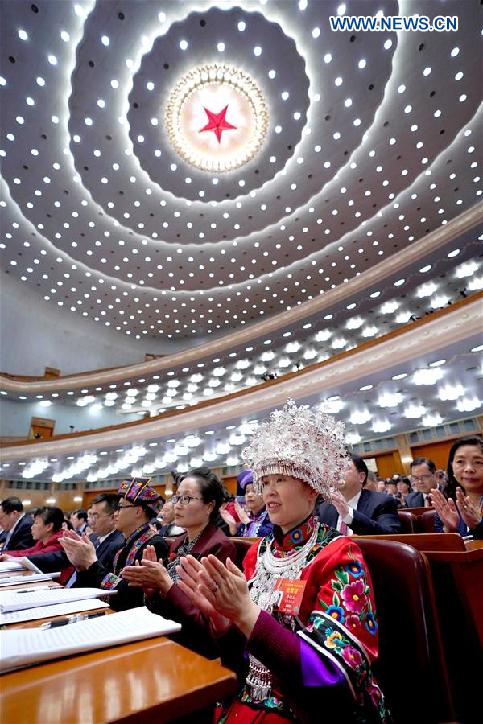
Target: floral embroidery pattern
331,636
350,603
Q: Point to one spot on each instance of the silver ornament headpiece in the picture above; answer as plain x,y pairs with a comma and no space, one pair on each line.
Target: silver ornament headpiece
301,442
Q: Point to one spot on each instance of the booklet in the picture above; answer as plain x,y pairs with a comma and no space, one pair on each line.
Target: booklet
17,600
23,647
29,578
18,564
57,609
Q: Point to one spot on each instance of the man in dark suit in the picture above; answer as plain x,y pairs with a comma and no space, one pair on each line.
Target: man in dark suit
423,478
354,510
107,542
108,538
16,524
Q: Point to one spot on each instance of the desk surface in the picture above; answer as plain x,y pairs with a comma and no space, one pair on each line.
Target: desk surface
154,680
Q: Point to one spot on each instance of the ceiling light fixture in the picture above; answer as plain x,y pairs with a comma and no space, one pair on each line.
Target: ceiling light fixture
211,90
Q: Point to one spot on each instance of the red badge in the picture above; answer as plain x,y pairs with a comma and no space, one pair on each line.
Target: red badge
292,593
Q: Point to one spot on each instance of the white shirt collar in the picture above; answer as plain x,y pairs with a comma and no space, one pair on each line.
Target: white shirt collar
101,539
352,503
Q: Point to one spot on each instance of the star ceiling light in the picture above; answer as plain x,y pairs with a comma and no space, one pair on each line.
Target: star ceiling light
216,118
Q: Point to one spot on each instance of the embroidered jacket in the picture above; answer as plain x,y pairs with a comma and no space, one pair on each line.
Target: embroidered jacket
132,550
321,659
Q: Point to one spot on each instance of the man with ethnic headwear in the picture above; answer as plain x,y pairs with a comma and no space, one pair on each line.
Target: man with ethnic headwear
138,504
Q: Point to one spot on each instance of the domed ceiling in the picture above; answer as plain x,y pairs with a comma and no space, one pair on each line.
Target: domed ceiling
174,170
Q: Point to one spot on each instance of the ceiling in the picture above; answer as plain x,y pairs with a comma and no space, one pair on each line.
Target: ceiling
371,144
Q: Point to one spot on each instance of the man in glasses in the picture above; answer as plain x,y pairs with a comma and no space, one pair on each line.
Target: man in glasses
138,503
423,478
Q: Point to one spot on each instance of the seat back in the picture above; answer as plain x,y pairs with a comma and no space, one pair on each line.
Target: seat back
458,584
424,541
242,545
407,520
409,635
417,511
425,522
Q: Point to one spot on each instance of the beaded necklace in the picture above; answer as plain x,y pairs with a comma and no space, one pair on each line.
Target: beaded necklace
268,570
184,550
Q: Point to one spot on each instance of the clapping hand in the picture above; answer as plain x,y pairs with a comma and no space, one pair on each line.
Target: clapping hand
229,520
189,582
470,512
224,591
446,509
79,550
241,512
339,503
149,574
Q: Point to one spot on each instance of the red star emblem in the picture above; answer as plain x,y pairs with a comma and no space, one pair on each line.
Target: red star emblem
217,123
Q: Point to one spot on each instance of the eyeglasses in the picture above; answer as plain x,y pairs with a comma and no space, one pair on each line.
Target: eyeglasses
419,478
121,507
184,499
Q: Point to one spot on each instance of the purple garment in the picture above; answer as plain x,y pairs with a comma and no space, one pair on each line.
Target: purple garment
289,658
258,527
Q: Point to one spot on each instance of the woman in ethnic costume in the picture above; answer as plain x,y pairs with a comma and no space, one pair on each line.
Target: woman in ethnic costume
300,626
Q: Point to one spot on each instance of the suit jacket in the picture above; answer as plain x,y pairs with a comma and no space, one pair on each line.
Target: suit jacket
376,514
21,537
108,548
414,499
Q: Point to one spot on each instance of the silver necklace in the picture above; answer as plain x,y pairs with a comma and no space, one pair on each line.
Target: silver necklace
270,568
262,591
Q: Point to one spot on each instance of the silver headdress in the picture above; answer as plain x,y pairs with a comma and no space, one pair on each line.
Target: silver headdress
301,442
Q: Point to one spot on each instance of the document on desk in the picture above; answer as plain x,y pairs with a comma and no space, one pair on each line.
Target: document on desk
18,564
57,609
34,597
8,566
29,578
23,647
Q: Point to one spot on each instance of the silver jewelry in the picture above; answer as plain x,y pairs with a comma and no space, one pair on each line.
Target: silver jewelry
268,570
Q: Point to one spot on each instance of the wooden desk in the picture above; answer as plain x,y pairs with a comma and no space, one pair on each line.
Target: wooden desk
155,680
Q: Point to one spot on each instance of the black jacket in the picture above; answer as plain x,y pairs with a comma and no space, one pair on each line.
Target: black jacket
415,499
376,514
22,536
57,560
100,576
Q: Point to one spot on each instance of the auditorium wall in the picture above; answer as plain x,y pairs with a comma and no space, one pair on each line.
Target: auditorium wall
35,335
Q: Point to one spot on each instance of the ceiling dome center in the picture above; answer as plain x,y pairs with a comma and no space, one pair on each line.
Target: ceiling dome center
216,118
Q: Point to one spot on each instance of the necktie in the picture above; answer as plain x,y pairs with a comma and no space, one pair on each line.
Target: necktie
344,528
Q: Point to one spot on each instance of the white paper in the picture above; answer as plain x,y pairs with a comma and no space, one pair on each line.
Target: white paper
21,647
18,564
7,566
19,600
58,609
27,563
29,578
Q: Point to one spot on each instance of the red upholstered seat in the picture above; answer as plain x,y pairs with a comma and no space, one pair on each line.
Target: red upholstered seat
411,667
408,521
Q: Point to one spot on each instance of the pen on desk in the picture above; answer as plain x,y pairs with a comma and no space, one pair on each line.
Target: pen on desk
76,618
56,623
